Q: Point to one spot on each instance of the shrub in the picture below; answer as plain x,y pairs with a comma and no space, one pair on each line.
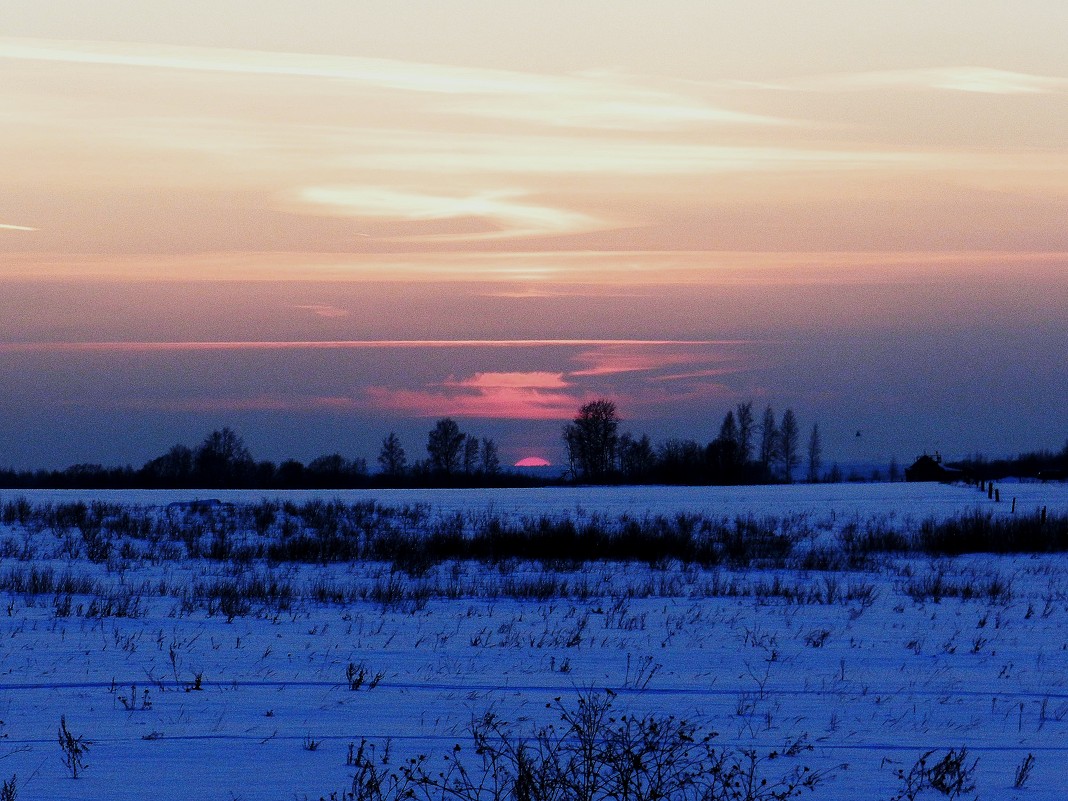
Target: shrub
356,675
983,532
1023,772
590,754
73,749
936,586
950,776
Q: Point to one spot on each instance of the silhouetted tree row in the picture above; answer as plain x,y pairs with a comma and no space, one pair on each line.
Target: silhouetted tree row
223,461
453,458
744,452
1043,465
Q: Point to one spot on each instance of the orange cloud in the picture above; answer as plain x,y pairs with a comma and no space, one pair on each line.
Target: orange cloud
504,212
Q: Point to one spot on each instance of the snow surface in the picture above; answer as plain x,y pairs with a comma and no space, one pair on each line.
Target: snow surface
890,678
919,500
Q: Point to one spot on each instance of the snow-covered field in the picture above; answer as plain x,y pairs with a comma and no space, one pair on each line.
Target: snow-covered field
899,499
870,666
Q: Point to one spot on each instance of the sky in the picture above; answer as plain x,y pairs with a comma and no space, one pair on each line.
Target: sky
317,223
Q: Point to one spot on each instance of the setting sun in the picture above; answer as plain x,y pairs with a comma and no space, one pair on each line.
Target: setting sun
533,461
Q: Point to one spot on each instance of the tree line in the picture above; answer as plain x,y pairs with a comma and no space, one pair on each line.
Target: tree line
1046,465
744,452
223,461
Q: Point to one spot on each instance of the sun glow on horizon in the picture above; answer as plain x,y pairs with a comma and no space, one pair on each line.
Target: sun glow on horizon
533,461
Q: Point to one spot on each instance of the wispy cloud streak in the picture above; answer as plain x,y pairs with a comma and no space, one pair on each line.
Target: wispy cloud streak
443,153
505,403
514,396
258,403
615,360
323,310
503,209
583,100
980,80
532,274
514,380
162,347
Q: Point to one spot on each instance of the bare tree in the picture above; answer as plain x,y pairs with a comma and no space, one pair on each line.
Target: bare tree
489,461
392,458
788,444
769,442
636,456
223,459
592,439
728,431
470,455
894,472
815,454
746,431
444,445
333,467
176,465
724,454
680,461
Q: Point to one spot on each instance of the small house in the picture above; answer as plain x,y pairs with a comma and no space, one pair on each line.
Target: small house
931,468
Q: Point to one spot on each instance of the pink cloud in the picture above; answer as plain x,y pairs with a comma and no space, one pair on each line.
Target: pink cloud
530,396
503,396
497,402
616,360
519,380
